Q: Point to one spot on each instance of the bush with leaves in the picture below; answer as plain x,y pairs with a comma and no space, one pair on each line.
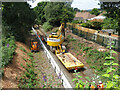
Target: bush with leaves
95,11
110,23
93,24
113,79
82,84
87,24
29,78
77,21
47,26
58,12
96,24
8,50
19,20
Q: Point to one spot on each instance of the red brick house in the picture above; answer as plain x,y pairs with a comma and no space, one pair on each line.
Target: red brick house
83,16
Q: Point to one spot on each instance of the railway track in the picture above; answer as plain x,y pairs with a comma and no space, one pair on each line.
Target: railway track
70,74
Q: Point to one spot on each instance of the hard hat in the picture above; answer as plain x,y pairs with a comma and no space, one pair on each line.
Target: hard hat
100,81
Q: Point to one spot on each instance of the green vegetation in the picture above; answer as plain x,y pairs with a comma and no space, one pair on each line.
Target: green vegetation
76,9
46,26
8,50
19,21
77,21
111,74
80,83
21,48
110,23
29,78
53,14
93,24
39,10
95,11
15,26
112,11
72,39
99,61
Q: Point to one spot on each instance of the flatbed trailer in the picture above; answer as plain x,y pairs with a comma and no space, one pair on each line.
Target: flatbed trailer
69,61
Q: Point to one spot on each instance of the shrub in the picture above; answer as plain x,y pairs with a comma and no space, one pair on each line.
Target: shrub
110,23
68,37
21,48
29,78
47,27
93,24
96,24
87,24
77,21
72,39
8,50
87,48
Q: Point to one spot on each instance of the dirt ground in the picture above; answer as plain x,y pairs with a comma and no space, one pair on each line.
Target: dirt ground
14,69
45,69
87,43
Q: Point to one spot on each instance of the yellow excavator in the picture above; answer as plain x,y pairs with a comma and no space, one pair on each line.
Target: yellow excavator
55,39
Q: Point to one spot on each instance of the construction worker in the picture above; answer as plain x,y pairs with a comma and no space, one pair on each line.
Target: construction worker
100,86
92,86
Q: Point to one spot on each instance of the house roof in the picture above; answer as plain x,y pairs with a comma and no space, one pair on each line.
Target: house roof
84,15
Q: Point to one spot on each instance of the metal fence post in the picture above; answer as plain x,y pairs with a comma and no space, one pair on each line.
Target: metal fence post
103,41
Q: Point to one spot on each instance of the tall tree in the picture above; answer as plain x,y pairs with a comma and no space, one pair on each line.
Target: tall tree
95,11
39,10
53,12
56,13
68,13
19,17
113,11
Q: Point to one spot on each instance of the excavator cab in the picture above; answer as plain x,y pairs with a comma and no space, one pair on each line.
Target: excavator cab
34,46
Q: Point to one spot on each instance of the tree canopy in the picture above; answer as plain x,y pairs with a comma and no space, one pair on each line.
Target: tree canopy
19,18
54,13
39,10
110,23
113,11
95,11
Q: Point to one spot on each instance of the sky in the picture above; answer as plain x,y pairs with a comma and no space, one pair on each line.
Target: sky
80,4
85,4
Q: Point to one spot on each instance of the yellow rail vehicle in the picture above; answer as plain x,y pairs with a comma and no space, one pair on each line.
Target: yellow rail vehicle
68,60
55,40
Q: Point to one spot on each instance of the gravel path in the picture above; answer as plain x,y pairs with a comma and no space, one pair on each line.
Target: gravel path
48,78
